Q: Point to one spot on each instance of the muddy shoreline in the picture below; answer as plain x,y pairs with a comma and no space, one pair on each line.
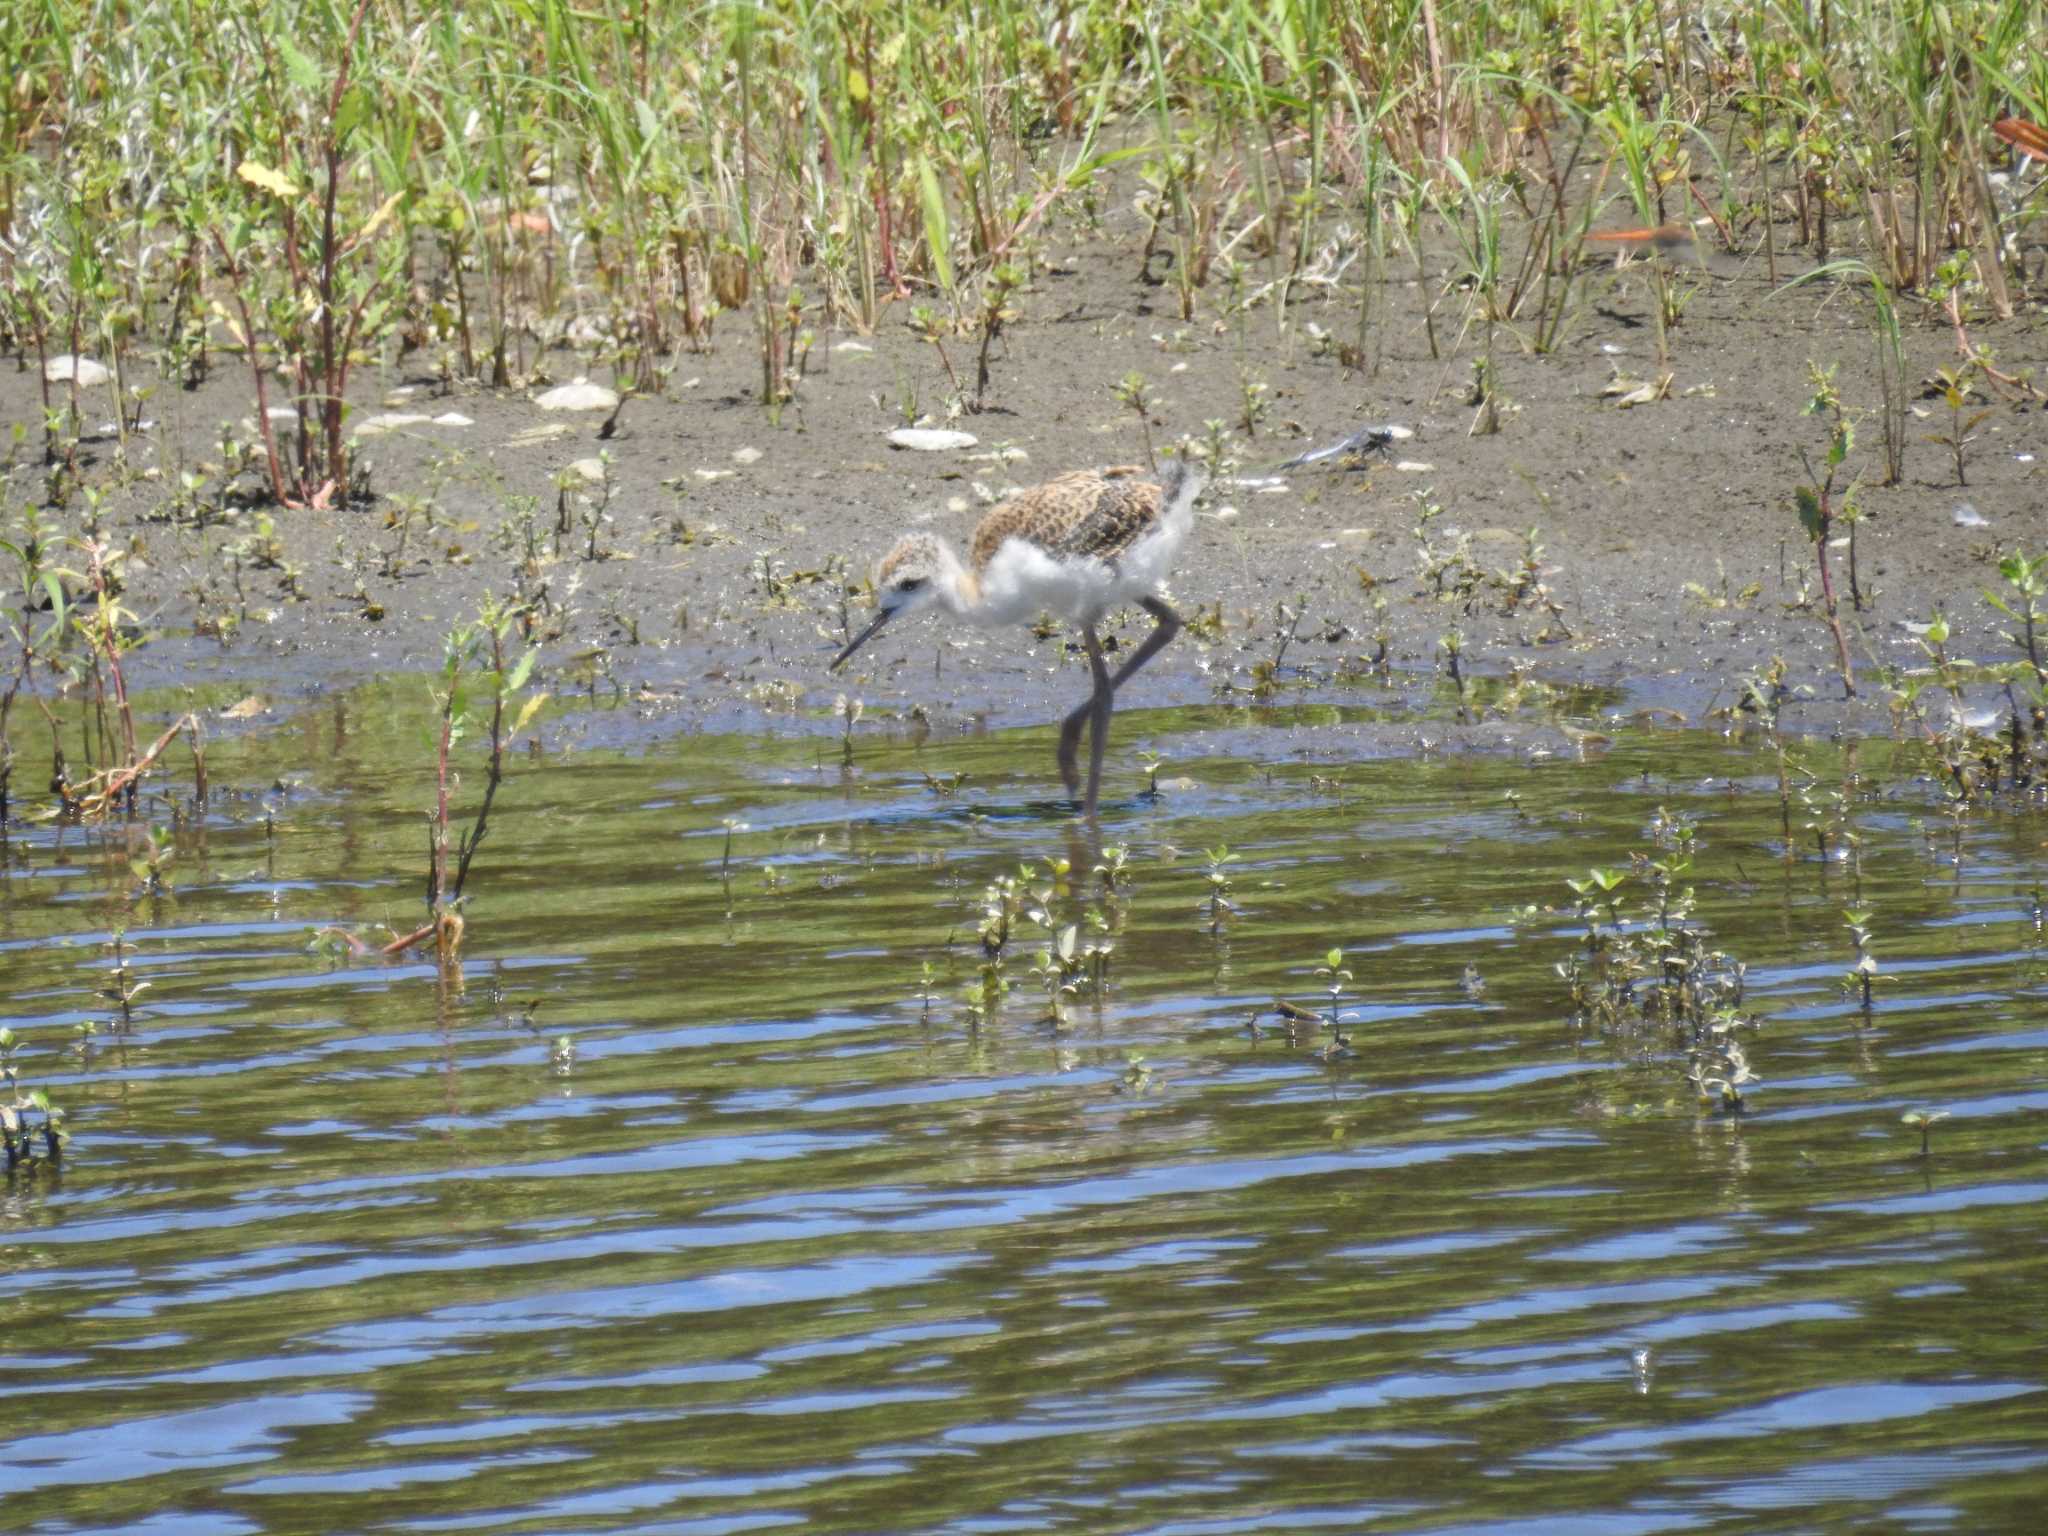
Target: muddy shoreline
726,541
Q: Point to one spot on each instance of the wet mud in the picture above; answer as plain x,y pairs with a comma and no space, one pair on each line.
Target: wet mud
707,575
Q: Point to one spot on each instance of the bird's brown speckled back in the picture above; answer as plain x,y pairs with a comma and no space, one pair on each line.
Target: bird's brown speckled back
1096,513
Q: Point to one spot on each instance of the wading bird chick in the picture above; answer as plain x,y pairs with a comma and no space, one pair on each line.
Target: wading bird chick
1078,546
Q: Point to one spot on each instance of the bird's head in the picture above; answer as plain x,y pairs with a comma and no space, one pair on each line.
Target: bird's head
911,577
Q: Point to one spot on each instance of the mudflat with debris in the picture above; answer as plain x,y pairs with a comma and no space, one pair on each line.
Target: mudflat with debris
1617,518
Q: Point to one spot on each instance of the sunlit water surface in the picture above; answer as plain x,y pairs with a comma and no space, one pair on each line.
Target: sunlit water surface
785,1235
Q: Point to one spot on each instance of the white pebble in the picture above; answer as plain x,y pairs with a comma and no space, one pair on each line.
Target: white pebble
931,439
389,421
63,368
580,395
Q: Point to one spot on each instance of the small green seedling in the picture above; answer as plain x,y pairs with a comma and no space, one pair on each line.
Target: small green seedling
1863,974
1923,1120
1962,431
1822,501
1597,889
1333,975
122,989
2029,582
149,865
1218,877
1133,391
17,1134
1114,870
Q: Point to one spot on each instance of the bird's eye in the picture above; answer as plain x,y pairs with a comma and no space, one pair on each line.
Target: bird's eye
910,584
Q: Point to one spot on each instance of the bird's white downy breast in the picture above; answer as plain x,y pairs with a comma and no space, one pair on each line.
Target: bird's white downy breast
1023,579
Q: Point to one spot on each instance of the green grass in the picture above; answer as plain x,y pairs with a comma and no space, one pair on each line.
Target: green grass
179,177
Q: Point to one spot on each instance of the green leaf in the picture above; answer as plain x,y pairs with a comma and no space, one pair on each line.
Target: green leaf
527,711
352,113
938,233
304,72
1809,512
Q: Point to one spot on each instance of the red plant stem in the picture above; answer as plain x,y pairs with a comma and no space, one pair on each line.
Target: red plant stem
121,779
110,642
1827,592
878,152
333,367
1969,354
355,945
277,485
419,935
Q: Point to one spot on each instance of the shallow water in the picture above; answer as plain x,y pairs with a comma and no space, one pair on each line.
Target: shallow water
339,1245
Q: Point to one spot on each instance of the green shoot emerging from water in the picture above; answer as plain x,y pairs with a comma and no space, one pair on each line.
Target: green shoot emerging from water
17,1131
1334,977
1923,1121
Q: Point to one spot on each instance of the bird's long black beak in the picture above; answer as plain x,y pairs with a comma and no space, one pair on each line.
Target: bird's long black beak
860,639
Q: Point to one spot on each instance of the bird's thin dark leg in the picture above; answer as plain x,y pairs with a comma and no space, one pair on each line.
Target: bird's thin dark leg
1168,626
1098,707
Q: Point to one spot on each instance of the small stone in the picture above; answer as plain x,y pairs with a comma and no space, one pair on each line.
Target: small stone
579,395
64,367
853,346
389,421
591,470
1967,516
746,455
453,419
931,439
